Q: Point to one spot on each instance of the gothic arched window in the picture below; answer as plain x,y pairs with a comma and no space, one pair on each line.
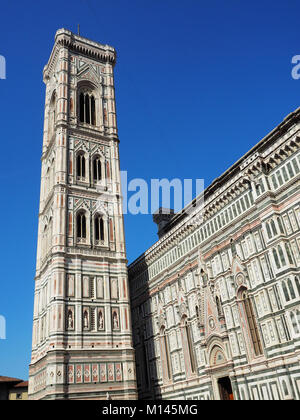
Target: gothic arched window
80,165
274,230
219,306
52,115
280,225
190,346
87,108
81,225
291,289
165,352
268,230
99,228
252,323
285,291
280,252
276,258
187,337
288,253
97,173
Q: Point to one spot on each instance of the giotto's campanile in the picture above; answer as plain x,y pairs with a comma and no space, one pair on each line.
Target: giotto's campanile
82,339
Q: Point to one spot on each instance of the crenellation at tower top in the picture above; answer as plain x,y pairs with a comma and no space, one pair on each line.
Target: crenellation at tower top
82,46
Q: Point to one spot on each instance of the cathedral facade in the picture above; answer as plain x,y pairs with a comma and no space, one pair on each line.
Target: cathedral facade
216,300
82,343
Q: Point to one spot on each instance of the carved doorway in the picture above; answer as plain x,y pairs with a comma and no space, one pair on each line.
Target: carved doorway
225,389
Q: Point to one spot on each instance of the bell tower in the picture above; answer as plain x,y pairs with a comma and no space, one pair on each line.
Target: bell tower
82,338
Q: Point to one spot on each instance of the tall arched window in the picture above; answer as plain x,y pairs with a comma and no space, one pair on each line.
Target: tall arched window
52,115
87,108
187,345
280,252
97,174
219,306
280,225
93,112
81,107
289,254
87,104
273,227
285,291
268,230
252,323
80,165
165,357
276,258
190,346
291,289
81,226
99,228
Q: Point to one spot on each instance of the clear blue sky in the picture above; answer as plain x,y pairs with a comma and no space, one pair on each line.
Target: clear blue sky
197,84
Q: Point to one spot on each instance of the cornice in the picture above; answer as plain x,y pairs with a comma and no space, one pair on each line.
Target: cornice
92,135
91,253
269,152
80,134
